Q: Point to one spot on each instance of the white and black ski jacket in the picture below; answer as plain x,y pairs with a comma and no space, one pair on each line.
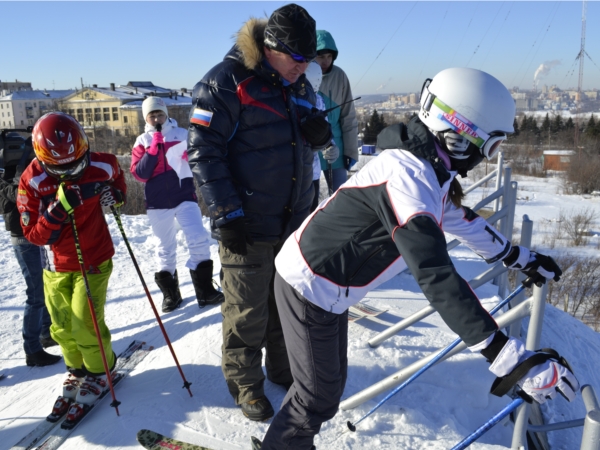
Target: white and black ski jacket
391,215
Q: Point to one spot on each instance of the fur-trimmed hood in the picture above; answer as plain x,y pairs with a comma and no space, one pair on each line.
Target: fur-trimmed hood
249,43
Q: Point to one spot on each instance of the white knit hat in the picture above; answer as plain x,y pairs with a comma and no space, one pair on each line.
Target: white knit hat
153,104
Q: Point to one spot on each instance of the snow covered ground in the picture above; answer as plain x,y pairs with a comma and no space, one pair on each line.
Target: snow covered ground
435,412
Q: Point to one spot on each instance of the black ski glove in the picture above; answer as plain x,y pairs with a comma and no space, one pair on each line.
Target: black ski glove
316,131
67,199
111,196
539,267
234,236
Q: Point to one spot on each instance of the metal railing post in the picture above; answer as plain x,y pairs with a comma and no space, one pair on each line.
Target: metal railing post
526,234
534,333
500,163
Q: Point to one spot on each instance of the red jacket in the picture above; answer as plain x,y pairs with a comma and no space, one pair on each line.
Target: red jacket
37,191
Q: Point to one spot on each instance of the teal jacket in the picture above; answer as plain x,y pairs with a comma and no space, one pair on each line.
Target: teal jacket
335,90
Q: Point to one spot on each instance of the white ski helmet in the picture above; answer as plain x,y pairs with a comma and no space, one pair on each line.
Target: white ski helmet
470,103
314,75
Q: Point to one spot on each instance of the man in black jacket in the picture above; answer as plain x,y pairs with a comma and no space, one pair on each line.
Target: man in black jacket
36,320
250,147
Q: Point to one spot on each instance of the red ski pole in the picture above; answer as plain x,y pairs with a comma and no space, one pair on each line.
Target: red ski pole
186,384
115,403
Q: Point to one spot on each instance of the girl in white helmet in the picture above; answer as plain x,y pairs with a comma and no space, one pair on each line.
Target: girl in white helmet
391,215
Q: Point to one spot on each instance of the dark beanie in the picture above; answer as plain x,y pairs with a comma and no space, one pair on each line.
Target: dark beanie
292,25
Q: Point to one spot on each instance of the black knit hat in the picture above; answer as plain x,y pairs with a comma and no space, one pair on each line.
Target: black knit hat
295,28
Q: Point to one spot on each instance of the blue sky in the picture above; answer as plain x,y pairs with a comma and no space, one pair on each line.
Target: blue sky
385,47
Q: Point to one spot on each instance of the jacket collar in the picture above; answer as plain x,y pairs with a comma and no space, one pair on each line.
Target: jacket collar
415,138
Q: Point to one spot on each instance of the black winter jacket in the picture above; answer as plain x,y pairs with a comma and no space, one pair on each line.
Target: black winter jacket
8,202
251,156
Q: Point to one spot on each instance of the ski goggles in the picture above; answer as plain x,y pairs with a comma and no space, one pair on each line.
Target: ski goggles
70,171
488,143
276,44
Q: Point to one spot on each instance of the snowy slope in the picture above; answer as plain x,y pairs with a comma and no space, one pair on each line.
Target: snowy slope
435,412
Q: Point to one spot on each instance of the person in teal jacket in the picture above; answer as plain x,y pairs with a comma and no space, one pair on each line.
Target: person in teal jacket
335,90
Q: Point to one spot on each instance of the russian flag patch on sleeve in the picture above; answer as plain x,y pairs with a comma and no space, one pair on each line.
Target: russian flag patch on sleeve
201,117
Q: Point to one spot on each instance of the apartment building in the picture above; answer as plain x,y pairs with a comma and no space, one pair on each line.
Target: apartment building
22,108
8,87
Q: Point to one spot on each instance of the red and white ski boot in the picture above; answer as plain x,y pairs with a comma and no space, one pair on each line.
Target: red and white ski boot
91,389
70,389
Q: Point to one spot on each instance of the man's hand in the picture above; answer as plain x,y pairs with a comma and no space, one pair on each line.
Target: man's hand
539,267
316,131
331,153
234,236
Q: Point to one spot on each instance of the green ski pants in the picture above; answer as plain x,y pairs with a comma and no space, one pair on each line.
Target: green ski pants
72,324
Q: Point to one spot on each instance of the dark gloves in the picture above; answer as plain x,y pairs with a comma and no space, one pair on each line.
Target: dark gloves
539,267
67,199
111,196
234,237
316,131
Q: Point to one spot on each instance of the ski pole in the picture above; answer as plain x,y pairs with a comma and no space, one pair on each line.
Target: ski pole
438,357
489,424
330,172
186,384
115,403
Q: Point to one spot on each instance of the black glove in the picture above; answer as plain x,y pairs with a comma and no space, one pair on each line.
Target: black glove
111,196
234,237
67,199
316,131
539,267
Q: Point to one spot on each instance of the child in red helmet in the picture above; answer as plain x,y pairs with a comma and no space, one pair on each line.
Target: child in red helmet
67,181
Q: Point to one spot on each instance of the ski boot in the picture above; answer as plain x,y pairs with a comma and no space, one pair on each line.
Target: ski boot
70,390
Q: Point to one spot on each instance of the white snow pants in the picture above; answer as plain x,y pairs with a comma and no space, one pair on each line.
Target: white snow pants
189,217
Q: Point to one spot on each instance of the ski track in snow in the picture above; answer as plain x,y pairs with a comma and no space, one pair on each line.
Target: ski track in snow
436,411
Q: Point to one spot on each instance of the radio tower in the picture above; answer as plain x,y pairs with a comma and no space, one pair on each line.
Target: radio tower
581,57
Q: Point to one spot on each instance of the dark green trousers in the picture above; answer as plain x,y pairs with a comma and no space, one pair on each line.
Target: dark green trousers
251,322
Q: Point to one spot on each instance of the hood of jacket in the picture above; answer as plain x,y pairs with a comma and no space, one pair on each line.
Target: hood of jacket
415,138
249,41
325,42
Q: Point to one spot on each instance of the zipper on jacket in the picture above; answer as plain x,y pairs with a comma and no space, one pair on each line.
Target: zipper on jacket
371,256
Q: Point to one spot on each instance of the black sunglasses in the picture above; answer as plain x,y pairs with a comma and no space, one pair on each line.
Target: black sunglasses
280,46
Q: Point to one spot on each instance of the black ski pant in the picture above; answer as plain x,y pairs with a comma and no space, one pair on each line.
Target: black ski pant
317,346
251,322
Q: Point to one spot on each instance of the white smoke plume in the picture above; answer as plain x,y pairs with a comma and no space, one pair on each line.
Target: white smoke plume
544,69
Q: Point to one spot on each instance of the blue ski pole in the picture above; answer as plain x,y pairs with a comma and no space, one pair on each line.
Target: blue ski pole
438,357
489,424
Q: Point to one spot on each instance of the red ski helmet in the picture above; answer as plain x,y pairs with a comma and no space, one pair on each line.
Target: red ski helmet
61,146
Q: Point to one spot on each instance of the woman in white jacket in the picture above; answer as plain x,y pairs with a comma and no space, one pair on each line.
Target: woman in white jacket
389,216
170,195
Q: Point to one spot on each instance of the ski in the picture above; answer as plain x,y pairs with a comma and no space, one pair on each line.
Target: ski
126,361
361,310
152,440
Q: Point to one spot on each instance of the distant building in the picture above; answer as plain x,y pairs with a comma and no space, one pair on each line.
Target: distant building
7,87
557,159
117,109
23,107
